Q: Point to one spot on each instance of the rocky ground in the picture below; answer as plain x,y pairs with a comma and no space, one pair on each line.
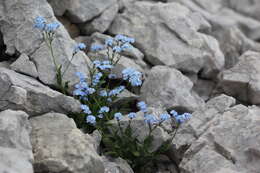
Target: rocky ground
198,56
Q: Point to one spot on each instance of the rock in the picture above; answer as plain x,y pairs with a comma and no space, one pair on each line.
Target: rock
169,88
204,88
233,44
21,92
164,165
72,29
141,129
221,16
246,7
19,35
25,66
117,165
5,64
96,138
168,35
59,6
81,11
15,146
58,146
102,22
201,120
126,97
242,81
229,144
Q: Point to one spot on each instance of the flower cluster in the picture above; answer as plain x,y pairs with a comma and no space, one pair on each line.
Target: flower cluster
119,43
82,88
133,76
97,47
151,119
41,24
103,65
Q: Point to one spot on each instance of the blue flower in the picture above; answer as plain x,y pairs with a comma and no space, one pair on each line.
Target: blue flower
97,47
96,63
86,109
81,76
165,117
78,47
82,88
132,115
96,78
51,27
116,91
103,93
124,39
79,92
174,113
133,76
100,116
117,49
91,119
109,42
126,46
39,22
112,76
90,90
118,116
150,119
109,99
142,106
182,118
119,37
103,65
103,109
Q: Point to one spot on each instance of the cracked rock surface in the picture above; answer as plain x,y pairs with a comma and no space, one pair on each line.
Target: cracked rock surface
20,92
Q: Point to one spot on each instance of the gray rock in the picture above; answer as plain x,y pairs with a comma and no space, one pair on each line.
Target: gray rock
96,138
80,11
102,22
5,64
242,81
201,120
234,43
168,35
59,6
204,88
247,7
25,66
15,146
169,88
72,28
17,18
229,144
126,97
221,16
117,165
21,92
60,147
